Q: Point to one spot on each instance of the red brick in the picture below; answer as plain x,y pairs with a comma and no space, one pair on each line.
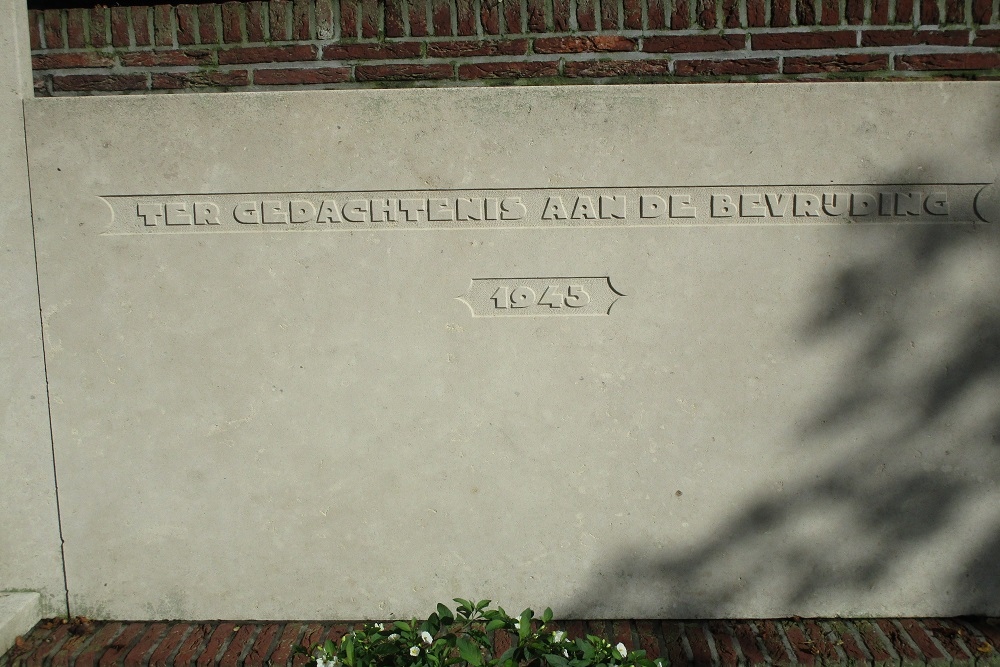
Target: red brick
161,58
854,12
350,26
406,72
904,11
121,644
508,70
495,47
730,14
52,22
536,15
746,636
71,60
771,636
755,13
119,26
706,14
600,69
441,16
141,24
916,632
108,631
948,61
698,641
781,13
632,17
287,77
163,25
775,41
325,28
268,54
987,38
145,644
35,32
649,640
725,645
982,11
187,33
82,633
489,16
906,37
609,14
680,18
841,63
656,17
301,27
990,629
394,26
76,35
232,25
820,645
255,21
36,647
880,12
265,643
512,17
244,635
171,640
201,79
800,644
466,18
586,15
829,12
371,11
844,634
805,12
312,635
191,646
954,11
593,43
371,51
418,17
693,43
108,82
952,637
98,32
208,33
216,643
621,632
876,645
929,14
277,20
673,633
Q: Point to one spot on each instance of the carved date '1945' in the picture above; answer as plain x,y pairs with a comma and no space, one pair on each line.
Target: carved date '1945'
553,297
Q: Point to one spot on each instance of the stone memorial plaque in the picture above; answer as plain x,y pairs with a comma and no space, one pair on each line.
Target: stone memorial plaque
671,351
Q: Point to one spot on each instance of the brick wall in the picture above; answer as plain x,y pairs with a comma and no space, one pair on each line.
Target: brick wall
258,45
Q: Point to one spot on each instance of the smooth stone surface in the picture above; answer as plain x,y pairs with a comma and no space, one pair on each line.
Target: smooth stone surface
19,612
761,417
30,558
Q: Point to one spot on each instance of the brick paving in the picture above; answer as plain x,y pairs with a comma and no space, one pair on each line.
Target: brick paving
907,642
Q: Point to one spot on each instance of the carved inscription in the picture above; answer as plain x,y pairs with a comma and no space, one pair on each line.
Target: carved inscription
541,208
532,297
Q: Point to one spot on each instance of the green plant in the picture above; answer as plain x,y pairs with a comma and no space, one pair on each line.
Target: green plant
468,636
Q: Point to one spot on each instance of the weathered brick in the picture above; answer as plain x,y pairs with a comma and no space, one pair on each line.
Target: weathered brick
948,61
882,653
673,642
244,635
187,32
116,650
141,21
951,637
693,43
929,12
698,641
267,639
278,20
287,77
441,17
71,60
609,15
680,18
772,636
404,72
954,11
586,15
656,18
805,12
232,22
301,26
52,22
255,13
774,41
119,26
173,638
189,649
84,82
371,11
417,10
854,12
746,636
725,645
466,18
350,24
76,34
489,17
98,32
512,17
987,38
325,27
371,51
844,634
631,19
149,639
829,12
508,70
781,13
989,628
904,11
394,25
466,48
647,631
880,12
907,37
826,651
223,632
35,31
268,54
800,644
160,58
706,14
839,63
163,25
923,650
208,31
730,13
756,17
536,15
982,11
591,43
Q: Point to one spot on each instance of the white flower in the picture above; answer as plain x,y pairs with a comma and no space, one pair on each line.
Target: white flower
426,636
379,627
394,636
621,650
517,625
558,636
321,662
414,651
565,653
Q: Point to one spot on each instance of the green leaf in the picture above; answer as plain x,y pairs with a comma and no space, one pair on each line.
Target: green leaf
469,652
329,647
525,621
547,615
482,604
400,625
556,660
348,646
495,624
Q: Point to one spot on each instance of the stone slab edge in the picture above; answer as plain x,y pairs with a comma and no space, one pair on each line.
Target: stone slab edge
19,612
